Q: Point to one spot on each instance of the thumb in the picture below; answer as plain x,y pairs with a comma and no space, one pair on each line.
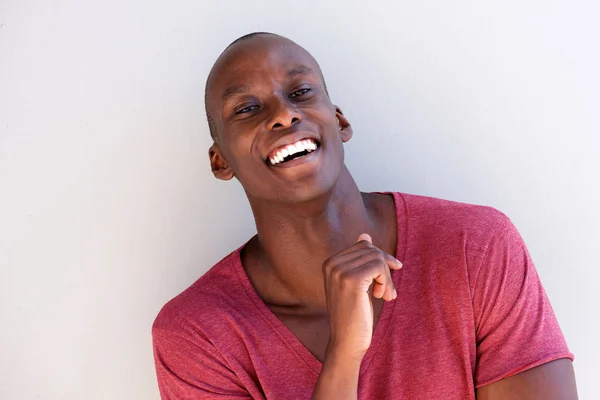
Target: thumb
365,236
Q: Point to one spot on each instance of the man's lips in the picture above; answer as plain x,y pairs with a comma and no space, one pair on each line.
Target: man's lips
291,150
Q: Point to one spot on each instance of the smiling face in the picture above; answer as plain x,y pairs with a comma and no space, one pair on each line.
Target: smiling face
276,128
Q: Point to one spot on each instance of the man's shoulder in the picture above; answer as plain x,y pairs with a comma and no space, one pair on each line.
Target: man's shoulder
450,233
425,212
209,298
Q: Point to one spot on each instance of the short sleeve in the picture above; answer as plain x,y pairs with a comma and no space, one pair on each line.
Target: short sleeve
192,369
516,328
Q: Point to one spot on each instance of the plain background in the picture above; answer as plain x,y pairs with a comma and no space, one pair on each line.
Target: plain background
108,208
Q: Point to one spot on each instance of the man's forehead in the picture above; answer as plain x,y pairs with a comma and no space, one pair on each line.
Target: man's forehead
260,56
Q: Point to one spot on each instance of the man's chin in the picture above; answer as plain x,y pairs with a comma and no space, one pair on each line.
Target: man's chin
299,192
303,181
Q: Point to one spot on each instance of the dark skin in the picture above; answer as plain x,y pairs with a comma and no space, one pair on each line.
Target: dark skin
265,92
318,207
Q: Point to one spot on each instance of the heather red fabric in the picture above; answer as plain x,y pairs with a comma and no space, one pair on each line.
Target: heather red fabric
470,311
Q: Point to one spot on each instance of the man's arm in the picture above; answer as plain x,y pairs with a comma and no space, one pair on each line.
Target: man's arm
551,381
348,276
338,378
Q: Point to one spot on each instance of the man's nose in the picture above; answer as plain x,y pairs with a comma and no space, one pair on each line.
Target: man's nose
284,115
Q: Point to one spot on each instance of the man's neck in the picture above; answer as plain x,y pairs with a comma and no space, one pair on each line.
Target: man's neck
292,243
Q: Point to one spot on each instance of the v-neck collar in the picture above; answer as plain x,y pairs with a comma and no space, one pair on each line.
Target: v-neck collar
286,335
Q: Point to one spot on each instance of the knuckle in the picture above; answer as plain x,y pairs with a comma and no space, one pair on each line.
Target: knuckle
348,279
366,244
363,244
337,274
376,256
372,264
328,264
343,279
373,251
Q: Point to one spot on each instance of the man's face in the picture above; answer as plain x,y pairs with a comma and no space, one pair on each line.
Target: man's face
278,131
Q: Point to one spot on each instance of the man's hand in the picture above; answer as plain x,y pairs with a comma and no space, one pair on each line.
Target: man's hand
351,277
348,276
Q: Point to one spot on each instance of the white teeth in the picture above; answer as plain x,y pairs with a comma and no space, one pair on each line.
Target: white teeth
306,144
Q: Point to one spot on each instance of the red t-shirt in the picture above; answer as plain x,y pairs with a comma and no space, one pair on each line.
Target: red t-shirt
470,311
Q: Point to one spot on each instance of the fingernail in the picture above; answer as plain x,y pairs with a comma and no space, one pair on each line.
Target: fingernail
395,293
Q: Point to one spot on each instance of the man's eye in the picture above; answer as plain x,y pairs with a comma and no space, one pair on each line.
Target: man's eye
299,92
246,109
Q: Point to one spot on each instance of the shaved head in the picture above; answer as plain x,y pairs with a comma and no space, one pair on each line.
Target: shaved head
263,92
230,59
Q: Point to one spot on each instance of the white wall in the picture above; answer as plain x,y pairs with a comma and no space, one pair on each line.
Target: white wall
108,208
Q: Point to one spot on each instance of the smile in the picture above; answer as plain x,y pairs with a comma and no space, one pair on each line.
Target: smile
292,151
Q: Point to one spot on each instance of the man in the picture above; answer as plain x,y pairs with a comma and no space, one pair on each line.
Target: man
344,294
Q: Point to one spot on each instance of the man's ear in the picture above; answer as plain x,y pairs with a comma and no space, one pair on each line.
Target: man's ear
344,126
219,166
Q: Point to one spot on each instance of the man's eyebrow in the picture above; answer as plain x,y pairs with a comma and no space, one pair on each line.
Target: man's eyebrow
290,73
233,90
299,70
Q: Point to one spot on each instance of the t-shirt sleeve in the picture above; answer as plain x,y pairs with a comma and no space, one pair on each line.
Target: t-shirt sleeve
189,368
516,328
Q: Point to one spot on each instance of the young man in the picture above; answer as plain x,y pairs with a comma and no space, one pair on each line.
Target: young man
344,294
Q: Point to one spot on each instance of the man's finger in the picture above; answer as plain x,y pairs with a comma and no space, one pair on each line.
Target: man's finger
383,286
365,236
391,261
